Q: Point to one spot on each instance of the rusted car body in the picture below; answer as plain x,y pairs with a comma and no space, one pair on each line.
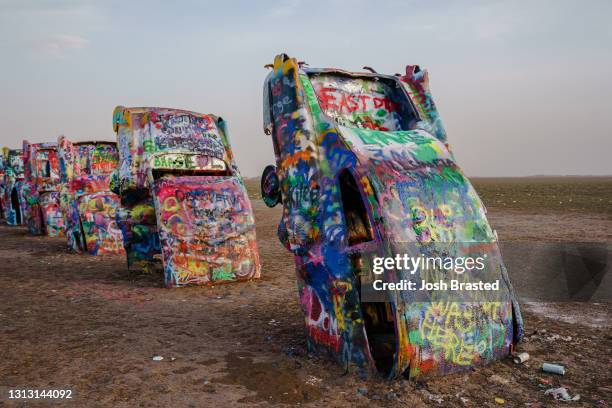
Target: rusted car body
41,189
182,195
364,171
13,199
88,205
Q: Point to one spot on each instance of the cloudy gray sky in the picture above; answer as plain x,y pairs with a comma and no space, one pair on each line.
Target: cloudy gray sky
523,86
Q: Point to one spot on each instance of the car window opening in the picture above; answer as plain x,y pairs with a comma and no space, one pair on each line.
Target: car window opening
358,225
15,205
380,328
46,168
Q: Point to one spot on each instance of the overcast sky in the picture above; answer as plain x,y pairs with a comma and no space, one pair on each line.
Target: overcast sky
523,87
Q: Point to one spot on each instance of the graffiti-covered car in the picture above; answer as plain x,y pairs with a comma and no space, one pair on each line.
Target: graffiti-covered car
182,194
41,189
14,200
364,172
2,185
88,205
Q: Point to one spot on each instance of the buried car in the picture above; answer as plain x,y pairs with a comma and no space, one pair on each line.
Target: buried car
364,173
2,187
14,200
88,205
41,189
182,195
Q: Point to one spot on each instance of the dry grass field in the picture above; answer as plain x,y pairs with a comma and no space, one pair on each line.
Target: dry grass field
571,194
528,194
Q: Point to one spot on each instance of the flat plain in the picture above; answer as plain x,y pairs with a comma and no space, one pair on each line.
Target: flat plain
80,322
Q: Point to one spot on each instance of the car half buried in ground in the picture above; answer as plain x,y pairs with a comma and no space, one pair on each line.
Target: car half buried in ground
182,195
41,189
88,205
14,200
2,185
364,171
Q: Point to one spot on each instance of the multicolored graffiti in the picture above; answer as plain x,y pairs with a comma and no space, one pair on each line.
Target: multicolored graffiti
364,170
213,220
13,198
88,204
2,181
138,225
182,196
41,189
360,103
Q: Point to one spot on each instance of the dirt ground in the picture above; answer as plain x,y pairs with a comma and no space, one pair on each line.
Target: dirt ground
79,322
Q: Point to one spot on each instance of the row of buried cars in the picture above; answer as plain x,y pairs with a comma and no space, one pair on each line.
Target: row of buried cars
363,171
175,199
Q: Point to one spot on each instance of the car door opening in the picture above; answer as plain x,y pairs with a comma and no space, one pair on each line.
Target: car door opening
378,317
15,205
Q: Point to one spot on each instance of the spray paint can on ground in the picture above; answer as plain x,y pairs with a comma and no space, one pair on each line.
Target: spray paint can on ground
553,368
520,358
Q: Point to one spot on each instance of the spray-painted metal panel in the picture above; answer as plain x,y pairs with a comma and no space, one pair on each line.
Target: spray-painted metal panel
88,204
41,189
364,171
205,228
183,197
